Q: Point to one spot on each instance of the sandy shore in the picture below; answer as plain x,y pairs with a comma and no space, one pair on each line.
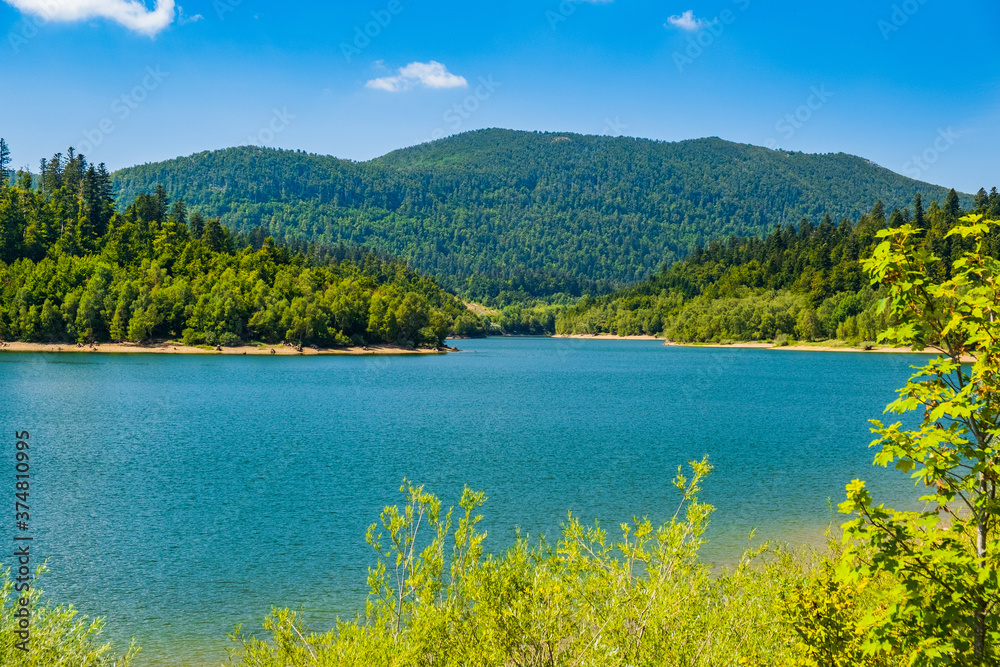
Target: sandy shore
813,348
819,347
747,346
833,348
605,337
246,350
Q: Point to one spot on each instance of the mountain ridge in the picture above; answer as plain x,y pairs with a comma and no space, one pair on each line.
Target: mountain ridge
532,213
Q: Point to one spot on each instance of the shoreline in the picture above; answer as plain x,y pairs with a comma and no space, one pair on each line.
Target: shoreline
243,350
606,337
800,348
815,348
819,347
168,347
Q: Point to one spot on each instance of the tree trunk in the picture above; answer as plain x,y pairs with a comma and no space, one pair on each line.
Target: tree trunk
979,629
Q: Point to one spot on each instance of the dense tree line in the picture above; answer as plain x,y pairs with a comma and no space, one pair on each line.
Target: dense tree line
499,216
73,268
803,282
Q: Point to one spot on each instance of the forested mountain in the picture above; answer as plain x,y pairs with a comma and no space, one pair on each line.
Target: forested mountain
500,215
803,281
73,268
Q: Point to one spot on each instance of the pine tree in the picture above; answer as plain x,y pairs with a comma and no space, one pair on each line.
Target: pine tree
74,170
161,204
918,212
52,174
982,201
952,207
878,214
179,211
215,236
5,172
197,225
98,203
105,197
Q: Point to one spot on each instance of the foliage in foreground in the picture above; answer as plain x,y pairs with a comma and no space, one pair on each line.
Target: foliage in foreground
644,598
946,600
59,635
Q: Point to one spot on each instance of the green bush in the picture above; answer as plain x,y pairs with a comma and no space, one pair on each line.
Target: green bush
59,635
229,339
643,598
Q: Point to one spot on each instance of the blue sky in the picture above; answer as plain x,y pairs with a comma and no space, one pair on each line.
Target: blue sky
890,81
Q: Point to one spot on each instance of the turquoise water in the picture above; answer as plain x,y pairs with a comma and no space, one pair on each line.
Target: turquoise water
179,496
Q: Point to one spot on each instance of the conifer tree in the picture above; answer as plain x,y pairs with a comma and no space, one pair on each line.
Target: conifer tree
5,172
162,201
952,207
197,225
982,201
878,214
73,171
179,211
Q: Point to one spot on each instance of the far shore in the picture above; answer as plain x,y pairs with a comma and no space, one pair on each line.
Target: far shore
243,350
829,346
606,337
819,347
170,347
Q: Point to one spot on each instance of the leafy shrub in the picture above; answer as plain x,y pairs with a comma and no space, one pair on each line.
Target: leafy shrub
643,598
943,608
229,339
59,635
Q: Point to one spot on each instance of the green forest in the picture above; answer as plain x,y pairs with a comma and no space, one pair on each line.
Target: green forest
501,217
801,282
76,269
75,266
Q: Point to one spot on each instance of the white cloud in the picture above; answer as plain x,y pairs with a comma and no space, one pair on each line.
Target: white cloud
129,13
184,19
688,21
430,75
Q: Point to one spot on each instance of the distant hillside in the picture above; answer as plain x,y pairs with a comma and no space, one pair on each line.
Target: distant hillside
531,213
803,282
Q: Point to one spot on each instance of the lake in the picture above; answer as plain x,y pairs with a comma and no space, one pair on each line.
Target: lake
181,495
